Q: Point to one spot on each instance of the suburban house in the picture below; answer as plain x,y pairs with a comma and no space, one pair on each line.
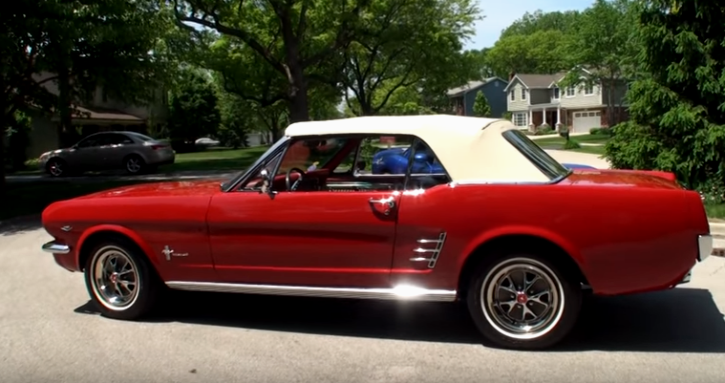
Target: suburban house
101,114
464,96
535,100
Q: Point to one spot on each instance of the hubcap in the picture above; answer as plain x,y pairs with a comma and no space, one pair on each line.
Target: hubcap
133,165
115,278
522,298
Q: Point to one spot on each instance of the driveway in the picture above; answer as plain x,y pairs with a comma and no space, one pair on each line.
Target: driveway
50,333
104,177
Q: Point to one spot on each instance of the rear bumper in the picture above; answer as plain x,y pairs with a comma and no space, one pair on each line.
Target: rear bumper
704,247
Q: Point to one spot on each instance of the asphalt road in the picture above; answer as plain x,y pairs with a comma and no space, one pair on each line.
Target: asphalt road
48,332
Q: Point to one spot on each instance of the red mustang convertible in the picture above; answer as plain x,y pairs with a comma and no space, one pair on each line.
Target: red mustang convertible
496,223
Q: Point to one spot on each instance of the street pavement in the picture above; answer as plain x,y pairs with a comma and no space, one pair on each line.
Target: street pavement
49,333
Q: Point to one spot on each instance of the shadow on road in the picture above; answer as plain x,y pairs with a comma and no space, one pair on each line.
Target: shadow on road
679,320
20,225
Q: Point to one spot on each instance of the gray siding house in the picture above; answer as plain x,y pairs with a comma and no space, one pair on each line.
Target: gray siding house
535,100
464,96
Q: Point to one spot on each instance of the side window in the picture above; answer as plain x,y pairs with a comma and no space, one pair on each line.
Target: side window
384,155
118,139
91,141
426,170
256,182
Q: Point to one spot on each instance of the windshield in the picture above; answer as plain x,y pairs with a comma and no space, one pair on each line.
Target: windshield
282,141
542,160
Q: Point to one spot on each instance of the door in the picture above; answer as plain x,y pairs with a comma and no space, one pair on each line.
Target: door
319,238
584,121
114,149
86,155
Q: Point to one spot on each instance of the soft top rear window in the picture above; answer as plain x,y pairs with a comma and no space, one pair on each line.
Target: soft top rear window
540,158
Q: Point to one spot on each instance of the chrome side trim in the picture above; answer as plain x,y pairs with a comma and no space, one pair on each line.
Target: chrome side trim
704,247
56,248
400,292
434,253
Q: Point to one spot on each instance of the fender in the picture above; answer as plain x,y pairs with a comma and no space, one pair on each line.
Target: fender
534,231
121,230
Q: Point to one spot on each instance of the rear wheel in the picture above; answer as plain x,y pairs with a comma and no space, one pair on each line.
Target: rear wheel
120,281
523,301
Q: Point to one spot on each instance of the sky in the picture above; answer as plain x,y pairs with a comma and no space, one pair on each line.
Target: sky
499,14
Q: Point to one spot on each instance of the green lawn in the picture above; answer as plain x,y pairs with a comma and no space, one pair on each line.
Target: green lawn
716,211
215,159
557,143
32,197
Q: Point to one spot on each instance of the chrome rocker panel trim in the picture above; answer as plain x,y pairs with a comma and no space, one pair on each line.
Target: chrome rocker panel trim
401,292
56,248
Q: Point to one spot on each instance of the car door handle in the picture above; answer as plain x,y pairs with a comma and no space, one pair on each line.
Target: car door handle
388,203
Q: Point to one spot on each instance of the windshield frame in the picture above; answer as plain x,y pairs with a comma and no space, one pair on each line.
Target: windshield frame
240,177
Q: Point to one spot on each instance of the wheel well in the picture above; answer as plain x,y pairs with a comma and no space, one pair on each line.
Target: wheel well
519,243
104,235
133,155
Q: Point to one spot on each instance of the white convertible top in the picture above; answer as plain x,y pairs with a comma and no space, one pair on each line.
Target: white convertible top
471,149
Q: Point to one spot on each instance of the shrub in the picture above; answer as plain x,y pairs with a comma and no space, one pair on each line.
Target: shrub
571,144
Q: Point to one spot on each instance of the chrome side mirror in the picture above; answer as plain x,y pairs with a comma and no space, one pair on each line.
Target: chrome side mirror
266,184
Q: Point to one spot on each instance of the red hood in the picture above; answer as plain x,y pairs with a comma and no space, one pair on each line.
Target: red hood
170,188
623,178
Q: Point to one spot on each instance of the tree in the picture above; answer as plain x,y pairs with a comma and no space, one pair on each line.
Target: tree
294,38
530,23
193,110
480,106
601,48
400,42
542,51
677,116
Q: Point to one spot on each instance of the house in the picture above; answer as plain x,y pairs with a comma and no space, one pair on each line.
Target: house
464,96
535,100
102,113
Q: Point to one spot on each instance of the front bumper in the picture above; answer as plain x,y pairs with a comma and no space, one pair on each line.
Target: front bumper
56,248
704,247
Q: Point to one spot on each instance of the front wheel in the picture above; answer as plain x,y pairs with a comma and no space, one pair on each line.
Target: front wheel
120,280
523,302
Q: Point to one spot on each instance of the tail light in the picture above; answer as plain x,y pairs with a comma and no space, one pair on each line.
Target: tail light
157,147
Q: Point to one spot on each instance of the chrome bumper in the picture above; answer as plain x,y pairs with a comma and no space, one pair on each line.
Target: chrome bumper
56,248
704,247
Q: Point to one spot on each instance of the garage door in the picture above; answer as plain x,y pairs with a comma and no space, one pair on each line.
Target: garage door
583,121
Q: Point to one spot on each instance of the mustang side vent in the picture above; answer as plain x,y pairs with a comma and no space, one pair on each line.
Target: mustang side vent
427,254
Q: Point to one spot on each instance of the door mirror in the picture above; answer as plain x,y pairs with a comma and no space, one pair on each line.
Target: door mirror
266,184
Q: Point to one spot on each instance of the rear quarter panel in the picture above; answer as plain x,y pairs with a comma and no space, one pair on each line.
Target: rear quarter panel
624,238
152,222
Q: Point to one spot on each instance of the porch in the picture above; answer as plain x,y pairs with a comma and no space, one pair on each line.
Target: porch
551,115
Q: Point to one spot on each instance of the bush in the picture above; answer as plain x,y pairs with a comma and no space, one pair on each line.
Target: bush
543,130
601,131
571,144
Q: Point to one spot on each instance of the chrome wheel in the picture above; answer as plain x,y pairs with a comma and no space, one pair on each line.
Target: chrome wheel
115,278
56,168
522,298
133,165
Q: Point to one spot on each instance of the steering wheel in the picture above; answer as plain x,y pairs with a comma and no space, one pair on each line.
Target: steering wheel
287,178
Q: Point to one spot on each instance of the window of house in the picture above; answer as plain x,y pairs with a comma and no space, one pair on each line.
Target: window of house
556,93
523,94
520,119
513,95
570,91
589,89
